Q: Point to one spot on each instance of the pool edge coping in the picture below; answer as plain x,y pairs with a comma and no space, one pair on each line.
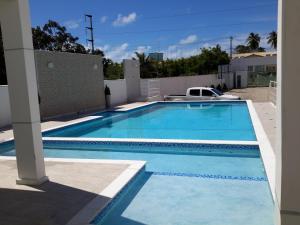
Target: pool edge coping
266,150
89,117
92,209
95,206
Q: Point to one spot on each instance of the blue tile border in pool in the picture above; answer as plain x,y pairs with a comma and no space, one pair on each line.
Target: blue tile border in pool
211,176
143,147
157,147
153,144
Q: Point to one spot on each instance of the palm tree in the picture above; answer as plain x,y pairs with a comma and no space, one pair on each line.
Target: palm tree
253,41
147,67
142,58
272,39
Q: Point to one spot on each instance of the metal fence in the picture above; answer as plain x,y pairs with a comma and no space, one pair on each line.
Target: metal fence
260,79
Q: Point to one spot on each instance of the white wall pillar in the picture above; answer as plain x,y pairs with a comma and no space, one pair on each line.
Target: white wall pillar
132,78
21,74
288,114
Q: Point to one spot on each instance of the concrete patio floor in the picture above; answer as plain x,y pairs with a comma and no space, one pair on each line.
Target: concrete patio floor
72,186
267,114
256,94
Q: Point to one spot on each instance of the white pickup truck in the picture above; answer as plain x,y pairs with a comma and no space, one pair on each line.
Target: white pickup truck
201,93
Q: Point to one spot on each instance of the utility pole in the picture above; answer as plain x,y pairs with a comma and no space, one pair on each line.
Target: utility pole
90,29
231,39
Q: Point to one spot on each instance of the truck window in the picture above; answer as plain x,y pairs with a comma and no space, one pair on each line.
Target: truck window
195,92
207,93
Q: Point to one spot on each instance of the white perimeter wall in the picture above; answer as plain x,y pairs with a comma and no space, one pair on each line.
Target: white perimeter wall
118,91
119,96
5,118
178,85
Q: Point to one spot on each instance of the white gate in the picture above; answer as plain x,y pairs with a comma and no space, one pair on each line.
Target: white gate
152,90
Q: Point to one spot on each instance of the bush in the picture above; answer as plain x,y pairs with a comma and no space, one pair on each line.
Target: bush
219,87
224,88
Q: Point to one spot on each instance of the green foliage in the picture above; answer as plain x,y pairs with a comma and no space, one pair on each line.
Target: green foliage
205,63
149,68
54,37
242,49
253,42
111,70
272,39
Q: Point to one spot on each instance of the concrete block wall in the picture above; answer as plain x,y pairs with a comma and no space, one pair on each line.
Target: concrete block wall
118,91
179,85
69,83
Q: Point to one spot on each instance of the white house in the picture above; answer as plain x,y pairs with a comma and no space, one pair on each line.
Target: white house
250,69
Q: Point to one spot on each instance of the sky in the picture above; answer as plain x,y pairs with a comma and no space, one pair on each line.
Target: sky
178,28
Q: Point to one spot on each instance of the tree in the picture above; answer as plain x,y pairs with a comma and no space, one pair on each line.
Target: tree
98,52
272,39
206,62
54,37
253,41
242,49
212,58
112,70
148,70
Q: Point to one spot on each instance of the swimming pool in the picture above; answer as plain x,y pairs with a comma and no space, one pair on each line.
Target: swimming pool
191,121
183,183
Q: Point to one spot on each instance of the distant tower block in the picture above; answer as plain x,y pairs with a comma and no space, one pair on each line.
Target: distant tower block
156,56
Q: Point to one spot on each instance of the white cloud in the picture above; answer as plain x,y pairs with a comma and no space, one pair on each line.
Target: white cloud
104,47
118,53
124,20
189,40
142,49
103,19
172,47
72,24
174,52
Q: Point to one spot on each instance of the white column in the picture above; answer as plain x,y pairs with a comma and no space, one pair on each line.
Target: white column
288,114
132,77
22,85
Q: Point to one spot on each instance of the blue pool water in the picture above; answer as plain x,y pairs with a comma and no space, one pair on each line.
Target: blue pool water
183,183
196,121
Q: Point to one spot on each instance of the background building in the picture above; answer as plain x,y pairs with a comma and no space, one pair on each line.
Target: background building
254,69
157,56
